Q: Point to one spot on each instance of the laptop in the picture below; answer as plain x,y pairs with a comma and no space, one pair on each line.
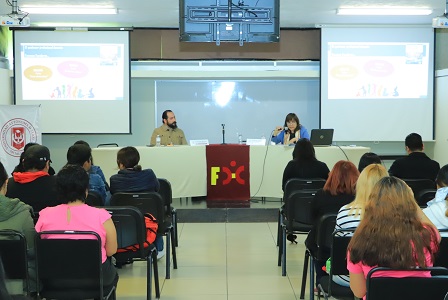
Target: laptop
321,137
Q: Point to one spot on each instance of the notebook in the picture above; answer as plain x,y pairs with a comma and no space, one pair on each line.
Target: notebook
322,137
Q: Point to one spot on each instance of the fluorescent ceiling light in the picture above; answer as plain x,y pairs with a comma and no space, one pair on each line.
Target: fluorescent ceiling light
385,11
73,10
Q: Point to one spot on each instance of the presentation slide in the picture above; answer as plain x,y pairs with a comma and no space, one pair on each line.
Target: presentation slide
81,79
377,84
377,70
70,71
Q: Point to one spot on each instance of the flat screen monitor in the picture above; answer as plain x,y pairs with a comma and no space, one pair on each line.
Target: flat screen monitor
250,21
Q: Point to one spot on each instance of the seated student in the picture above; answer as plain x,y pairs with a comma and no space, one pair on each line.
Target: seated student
338,191
304,163
368,159
442,186
437,210
74,214
350,215
131,178
34,186
94,169
20,168
81,155
391,234
417,165
291,132
16,215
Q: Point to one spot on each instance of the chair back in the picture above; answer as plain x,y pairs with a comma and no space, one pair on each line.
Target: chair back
69,268
107,145
418,185
424,196
130,226
296,184
441,259
148,202
409,288
13,253
94,199
298,210
341,239
166,192
324,240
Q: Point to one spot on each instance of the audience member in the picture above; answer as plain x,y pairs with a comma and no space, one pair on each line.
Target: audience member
169,133
368,159
16,215
417,165
94,169
442,186
391,234
34,186
81,155
304,163
291,132
350,215
74,214
338,191
131,178
20,168
437,210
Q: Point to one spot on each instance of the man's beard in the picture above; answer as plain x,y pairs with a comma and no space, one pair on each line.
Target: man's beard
173,125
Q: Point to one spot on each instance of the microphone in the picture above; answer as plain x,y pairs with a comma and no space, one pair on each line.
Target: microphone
223,134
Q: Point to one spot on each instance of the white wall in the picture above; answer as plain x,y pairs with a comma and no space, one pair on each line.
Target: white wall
5,87
441,116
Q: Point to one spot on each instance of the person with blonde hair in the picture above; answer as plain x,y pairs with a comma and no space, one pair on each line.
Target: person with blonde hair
412,243
350,215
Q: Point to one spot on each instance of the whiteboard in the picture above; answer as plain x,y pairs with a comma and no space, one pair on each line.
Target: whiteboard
251,108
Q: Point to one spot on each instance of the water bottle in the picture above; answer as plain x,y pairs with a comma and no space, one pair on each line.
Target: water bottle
240,139
158,141
263,138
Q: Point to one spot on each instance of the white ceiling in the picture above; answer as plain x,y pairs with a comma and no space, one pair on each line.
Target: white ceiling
164,13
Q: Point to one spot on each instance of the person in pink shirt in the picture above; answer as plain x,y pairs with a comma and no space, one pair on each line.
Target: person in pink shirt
393,233
72,185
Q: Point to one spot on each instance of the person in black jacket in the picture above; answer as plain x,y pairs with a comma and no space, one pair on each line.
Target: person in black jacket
304,163
417,165
34,186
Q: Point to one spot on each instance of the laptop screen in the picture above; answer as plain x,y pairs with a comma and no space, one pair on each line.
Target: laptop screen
322,137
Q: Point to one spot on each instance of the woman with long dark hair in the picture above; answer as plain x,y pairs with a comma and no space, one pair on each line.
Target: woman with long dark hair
392,233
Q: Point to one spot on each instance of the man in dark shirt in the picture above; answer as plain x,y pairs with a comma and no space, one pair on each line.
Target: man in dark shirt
35,186
417,165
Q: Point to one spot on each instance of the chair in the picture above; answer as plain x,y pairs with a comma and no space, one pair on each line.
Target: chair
424,196
418,185
94,199
293,185
338,243
167,195
441,258
70,268
152,202
130,225
13,253
409,288
298,220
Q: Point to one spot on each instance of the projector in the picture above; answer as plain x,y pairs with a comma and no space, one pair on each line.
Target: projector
15,20
440,22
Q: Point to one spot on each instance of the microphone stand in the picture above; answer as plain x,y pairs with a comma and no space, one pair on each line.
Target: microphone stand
223,134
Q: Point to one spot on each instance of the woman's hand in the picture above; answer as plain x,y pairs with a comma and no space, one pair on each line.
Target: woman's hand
292,141
277,130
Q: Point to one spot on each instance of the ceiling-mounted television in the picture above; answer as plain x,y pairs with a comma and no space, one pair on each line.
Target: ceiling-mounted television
248,21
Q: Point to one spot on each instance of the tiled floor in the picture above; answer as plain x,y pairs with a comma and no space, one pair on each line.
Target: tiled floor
222,261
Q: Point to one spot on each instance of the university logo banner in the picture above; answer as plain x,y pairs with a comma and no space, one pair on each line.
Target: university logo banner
228,176
19,125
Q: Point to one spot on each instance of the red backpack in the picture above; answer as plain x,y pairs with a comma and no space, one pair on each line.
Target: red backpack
151,233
